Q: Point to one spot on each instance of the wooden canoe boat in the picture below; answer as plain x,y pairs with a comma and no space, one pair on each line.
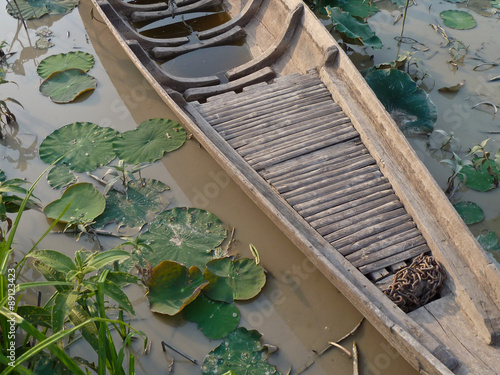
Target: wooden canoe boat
300,131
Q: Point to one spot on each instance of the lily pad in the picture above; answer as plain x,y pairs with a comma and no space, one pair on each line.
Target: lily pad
495,3
185,235
458,19
352,28
64,61
60,176
149,141
43,43
479,179
215,319
173,286
66,86
37,8
470,212
86,146
242,353
357,8
489,241
409,105
133,210
243,277
86,203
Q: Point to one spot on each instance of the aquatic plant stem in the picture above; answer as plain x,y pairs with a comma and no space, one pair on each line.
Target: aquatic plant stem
403,25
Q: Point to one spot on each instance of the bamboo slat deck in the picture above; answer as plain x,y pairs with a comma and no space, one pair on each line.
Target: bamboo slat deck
301,142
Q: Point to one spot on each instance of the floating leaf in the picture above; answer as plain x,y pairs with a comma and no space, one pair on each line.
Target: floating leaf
60,176
86,204
455,88
172,286
479,179
408,104
215,319
458,19
185,235
242,353
149,141
37,8
87,146
470,212
133,210
242,276
353,29
495,3
43,43
489,241
65,61
357,8
66,86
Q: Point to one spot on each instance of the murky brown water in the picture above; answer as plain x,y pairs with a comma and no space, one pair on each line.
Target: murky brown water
299,310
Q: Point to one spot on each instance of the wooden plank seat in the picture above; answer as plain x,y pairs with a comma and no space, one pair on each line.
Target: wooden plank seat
165,79
127,9
233,35
201,93
129,33
149,16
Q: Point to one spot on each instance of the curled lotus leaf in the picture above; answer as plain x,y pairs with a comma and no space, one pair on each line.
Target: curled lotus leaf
30,9
84,145
149,141
241,279
185,235
215,319
66,86
64,61
353,29
242,353
85,204
470,212
409,105
458,19
480,178
173,286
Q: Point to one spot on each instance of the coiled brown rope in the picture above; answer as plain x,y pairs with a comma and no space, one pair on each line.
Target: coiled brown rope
417,284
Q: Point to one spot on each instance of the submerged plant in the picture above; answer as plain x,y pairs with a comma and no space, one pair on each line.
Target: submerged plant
456,164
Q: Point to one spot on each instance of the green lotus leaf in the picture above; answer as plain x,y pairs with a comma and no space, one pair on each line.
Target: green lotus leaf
495,3
479,179
353,29
489,241
60,176
64,61
409,105
133,210
357,8
470,212
37,8
243,276
173,286
149,141
242,353
458,19
185,235
66,86
86,146
215,319
86,204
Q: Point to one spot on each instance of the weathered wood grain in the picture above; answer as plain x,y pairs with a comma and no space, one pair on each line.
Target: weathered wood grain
146,16
395,258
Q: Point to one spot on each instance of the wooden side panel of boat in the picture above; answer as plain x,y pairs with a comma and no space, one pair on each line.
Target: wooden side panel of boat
473,280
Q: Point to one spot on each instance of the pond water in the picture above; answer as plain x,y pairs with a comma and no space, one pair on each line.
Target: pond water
456,114
299,310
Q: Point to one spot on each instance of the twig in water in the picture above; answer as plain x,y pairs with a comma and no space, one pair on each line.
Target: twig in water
341,348
355,368
191,359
